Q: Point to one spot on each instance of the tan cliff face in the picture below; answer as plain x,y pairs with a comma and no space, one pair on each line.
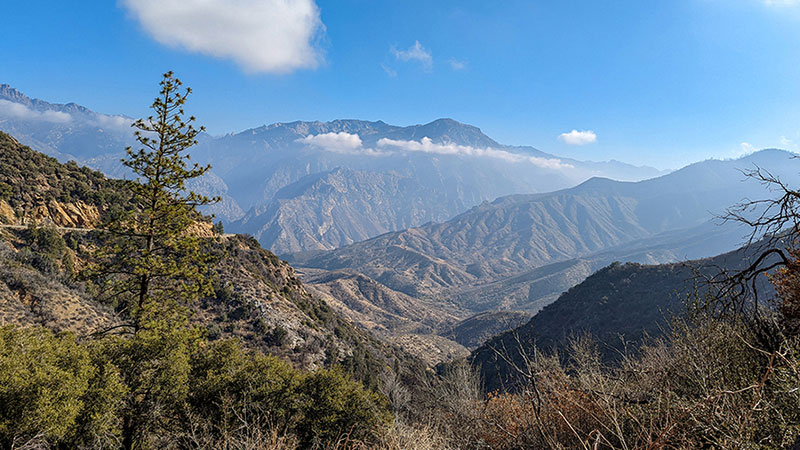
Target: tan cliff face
77,214
201,229
72,215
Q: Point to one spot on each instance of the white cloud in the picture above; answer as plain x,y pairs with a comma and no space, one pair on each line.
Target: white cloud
456,64
275,36
415,53
576,137
337,142
119,123
11,110
426,145
346,143
745,148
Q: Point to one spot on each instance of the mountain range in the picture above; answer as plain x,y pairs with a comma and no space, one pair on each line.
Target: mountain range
306,186
519,233
522,252
429,235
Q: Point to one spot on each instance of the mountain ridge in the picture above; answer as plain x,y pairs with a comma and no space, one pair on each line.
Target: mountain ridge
533,247
455,160
620,306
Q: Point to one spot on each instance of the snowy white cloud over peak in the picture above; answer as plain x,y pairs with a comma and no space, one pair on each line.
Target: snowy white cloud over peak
426,145
11,110
336,142
576,137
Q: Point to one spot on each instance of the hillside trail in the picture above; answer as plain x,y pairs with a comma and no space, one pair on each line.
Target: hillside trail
75,229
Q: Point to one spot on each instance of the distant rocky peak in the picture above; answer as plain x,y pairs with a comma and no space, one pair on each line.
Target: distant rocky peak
440,131
9,93
445,131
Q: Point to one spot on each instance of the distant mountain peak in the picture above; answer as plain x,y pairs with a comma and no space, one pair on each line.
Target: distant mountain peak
450,122
11,94
7,92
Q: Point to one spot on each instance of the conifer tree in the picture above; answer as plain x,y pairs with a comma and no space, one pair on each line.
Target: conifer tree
152,262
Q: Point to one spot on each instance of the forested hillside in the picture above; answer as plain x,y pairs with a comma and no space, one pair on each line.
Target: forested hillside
37,188
258,297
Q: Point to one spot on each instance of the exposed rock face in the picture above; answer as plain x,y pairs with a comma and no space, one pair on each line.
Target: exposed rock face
39,190
73,215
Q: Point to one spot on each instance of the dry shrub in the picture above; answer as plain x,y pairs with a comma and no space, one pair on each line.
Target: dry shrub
707,384
404,437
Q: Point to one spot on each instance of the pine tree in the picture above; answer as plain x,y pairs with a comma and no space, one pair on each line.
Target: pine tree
152,263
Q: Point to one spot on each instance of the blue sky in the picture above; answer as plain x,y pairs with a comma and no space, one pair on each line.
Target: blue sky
658,83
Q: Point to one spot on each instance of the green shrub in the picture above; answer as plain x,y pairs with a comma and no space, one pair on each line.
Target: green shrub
230,385
43,381
228,382
6,191
335,406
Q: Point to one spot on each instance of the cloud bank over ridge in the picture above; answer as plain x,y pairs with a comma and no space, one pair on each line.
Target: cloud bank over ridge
348,143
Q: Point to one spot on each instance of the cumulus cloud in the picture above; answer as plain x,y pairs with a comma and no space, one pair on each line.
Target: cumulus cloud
114,122
576,137
456,64
426,145
275,36
11,110
416,53
341,142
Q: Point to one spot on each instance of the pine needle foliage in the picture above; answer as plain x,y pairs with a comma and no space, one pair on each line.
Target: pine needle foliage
152,264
